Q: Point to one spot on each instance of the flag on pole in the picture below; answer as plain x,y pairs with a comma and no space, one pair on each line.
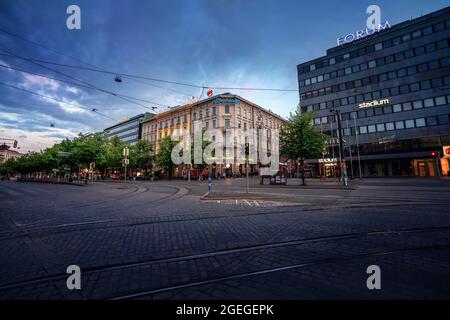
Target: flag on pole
209,93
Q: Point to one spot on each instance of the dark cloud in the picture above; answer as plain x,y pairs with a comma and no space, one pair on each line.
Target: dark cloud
255,43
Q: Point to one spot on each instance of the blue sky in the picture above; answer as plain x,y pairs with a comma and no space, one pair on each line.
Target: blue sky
233,43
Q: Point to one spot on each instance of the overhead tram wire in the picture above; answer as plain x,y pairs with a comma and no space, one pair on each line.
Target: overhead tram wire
73,78
83,62
69,82
55,99
161,80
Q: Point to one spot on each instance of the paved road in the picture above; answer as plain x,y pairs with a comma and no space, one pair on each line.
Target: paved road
158,240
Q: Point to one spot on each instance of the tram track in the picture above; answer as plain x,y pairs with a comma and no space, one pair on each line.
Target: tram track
239,250
176,218
144,293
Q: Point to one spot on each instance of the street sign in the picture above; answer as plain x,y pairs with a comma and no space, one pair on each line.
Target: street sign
125,162
126,152
446,151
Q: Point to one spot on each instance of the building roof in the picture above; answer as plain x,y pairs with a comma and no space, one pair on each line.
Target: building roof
392,29
143,116
222,95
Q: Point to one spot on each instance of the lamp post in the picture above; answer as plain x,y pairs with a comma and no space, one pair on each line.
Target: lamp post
343,166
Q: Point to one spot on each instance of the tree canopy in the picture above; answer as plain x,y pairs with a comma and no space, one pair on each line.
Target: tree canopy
73,155
299,140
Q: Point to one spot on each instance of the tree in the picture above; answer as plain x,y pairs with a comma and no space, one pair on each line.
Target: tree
299,140
140,155
164,156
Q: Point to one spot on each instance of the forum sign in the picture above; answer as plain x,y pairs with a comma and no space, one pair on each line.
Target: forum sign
362,33
373,25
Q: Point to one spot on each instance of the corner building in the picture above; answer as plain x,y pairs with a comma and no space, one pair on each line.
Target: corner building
223,111
392,90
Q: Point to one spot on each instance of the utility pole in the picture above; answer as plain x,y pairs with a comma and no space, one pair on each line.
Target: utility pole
350,150
126,161
357,147
341,147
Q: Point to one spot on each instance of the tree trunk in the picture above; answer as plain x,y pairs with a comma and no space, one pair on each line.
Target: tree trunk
303,171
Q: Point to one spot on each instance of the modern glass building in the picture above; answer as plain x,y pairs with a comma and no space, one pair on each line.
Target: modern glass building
129,130
392,92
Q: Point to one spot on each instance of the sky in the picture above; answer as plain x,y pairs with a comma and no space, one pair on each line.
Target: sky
220,43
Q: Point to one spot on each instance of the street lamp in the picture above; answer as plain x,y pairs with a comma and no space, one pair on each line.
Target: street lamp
343,166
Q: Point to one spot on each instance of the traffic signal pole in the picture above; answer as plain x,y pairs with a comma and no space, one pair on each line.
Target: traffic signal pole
247,154
341,147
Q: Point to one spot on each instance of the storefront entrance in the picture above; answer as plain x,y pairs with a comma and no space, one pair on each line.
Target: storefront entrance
424,167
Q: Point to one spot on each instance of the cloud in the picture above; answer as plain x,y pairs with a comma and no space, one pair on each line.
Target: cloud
36,140
31,80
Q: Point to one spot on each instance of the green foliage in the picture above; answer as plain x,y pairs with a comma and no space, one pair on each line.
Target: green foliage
141,155
164,156
299,140
76,154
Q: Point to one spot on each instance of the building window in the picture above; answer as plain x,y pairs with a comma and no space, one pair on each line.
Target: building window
417,34
371,128
409,124
372,64
363,129
227,109
432,121
378,46
443,119
427,30
380,127
407,106
214,111
214,124
428,103
207,113
420,122
390,126
200,114
207,124
440,100
397,107
195,116
227,123
399,125
418,104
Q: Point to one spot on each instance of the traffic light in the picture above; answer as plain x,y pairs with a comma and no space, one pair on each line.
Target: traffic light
247,149
435,154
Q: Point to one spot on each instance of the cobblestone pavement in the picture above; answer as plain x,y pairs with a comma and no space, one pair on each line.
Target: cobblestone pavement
159,240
